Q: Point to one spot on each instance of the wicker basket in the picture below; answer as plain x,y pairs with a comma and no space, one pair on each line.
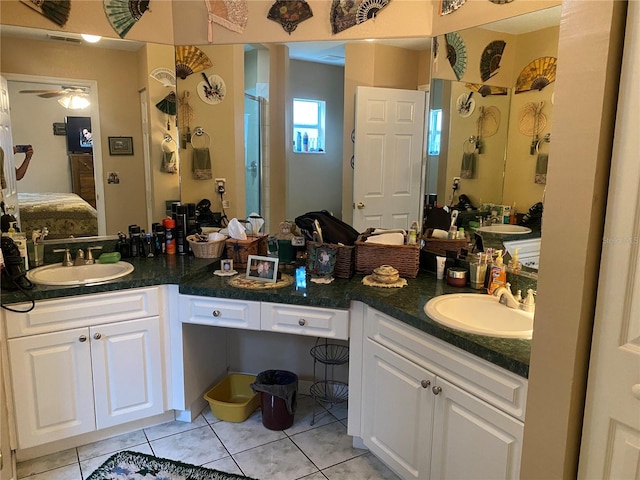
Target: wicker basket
206,249
440,246
345,259
239,250
405,258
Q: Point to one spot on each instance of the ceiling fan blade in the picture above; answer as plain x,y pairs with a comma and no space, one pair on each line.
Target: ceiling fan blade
52,94
39,91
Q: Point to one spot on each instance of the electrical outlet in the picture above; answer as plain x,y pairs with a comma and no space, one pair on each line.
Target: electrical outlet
221,184
225,204
456,183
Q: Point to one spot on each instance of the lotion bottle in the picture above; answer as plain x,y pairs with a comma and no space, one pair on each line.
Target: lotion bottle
498,274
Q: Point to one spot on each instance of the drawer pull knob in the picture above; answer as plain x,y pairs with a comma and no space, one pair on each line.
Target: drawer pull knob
97,336
83,338
436,389
217,313
425,383
302,322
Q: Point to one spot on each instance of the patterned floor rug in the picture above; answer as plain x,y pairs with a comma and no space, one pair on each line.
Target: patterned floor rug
138,466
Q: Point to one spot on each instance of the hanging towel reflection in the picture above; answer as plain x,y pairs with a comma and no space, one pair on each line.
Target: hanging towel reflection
202,164
468,168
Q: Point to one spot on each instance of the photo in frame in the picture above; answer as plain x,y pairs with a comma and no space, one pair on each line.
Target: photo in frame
120,145
226,265
262,269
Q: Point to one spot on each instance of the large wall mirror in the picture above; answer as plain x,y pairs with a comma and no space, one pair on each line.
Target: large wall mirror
101,187
505,171
483,128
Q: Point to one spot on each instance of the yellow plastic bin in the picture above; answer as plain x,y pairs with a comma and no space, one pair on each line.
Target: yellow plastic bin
232,399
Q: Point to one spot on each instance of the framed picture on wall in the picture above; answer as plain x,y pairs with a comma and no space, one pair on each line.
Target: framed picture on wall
120,145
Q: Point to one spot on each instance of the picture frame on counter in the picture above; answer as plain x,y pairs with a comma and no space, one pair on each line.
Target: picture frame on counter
262,269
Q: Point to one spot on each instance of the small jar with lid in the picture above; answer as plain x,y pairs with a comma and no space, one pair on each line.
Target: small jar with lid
457,277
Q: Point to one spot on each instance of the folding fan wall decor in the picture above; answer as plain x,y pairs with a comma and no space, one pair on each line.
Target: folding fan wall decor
231,14
485,90
347,13
190,59
165,76
537,75
123,14
448,6
490,59
289,13
55,10
456,53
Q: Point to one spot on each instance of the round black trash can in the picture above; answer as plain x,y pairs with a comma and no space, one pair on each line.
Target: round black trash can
278,391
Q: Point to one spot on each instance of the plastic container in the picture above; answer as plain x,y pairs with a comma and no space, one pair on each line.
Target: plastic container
232,399
278,390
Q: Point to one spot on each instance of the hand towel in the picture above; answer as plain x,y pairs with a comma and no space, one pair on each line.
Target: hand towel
541,168
169,164
201,164
468,169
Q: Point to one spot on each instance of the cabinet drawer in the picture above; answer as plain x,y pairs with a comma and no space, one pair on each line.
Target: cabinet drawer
497,386
219,312
299,320
83,311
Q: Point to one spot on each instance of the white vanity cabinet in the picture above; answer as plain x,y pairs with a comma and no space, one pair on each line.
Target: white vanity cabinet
85,363
430,410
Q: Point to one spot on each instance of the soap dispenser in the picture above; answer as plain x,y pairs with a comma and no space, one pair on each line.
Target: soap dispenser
498,277
514,265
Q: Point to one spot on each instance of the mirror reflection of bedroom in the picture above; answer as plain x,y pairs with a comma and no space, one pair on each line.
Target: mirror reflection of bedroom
58,187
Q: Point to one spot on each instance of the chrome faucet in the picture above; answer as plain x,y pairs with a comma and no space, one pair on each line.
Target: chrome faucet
506,297
66,261
79,258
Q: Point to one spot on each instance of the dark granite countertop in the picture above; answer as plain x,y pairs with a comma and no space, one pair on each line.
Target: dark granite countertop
195,277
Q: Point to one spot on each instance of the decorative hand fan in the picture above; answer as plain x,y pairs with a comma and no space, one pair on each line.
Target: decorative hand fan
465,105
456,53
212,90
490,59
347,13
55,10
500,2
488,121
448,6
168,105
485,90
123,14
289,13
537,75
190,59
165,76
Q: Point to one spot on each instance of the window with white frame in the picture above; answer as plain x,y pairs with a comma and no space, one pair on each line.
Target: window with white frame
308,125
435,131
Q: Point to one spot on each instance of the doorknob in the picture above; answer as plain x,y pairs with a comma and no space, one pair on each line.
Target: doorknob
360,205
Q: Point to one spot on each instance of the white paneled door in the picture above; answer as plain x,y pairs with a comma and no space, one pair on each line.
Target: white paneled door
388,153
611,434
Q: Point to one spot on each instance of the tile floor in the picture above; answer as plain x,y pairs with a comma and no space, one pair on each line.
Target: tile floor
321,451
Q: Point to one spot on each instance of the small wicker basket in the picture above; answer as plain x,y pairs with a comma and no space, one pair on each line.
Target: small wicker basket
210,249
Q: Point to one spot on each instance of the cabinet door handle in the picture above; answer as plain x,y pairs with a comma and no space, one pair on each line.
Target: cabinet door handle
83,338
217,313
425,383
302,322
97,336
436,389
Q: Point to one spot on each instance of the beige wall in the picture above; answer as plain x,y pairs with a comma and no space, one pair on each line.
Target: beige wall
400,18
164,186
572,234
220,122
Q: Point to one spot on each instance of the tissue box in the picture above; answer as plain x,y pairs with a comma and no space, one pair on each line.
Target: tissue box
239,250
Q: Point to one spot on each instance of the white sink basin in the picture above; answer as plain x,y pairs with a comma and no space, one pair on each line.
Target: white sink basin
56,274
503,229
481,314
